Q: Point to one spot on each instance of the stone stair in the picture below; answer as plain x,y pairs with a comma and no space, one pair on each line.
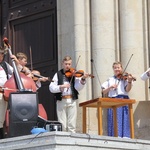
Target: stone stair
58,140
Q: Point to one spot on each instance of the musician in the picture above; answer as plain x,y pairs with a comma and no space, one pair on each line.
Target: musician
21,61
5,72
118,87
145,75
66,90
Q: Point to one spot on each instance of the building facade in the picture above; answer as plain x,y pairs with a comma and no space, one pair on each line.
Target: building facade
101,32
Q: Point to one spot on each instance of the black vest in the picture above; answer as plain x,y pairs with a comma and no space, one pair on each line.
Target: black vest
61,75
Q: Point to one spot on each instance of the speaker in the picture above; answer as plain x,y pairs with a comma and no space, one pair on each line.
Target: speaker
23,113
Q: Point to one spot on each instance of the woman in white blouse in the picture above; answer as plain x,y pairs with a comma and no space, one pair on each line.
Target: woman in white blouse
117,86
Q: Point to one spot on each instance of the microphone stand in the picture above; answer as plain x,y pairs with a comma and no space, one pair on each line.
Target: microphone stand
98,77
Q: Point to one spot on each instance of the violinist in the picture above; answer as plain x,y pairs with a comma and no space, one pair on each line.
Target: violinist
118,87
5,73
65,89
21,61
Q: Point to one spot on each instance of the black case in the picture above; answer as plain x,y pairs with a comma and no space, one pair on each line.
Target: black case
49,125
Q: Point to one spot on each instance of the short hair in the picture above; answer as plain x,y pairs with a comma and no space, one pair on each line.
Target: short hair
21,55
117,63
67,58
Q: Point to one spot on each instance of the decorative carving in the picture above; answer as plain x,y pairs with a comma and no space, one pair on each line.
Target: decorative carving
27,8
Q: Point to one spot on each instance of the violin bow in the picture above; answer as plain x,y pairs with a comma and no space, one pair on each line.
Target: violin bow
126,67
75,67
77,61
127,64
31,59
36,75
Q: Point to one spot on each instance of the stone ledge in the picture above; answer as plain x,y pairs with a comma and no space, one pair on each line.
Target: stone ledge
65,140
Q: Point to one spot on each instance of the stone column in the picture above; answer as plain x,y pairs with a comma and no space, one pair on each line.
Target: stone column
132,42
82,49
65,29
104,39
104,49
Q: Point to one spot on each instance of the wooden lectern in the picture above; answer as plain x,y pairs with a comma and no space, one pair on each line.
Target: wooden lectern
113,103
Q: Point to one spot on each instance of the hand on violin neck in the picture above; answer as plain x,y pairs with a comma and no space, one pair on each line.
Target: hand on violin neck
86,75
83,78
130,78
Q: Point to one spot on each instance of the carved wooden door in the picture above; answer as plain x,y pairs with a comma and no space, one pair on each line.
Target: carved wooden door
31,24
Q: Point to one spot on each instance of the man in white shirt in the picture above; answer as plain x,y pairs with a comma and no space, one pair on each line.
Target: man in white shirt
66,87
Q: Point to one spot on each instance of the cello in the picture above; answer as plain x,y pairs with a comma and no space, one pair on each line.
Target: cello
18,82
20,90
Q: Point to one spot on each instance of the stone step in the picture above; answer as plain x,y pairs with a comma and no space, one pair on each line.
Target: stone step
76,141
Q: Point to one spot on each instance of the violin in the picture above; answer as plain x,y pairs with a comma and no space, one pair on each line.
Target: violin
36,75
125,76
72,72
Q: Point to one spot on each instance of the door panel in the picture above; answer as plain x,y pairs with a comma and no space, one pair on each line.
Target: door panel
31,28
